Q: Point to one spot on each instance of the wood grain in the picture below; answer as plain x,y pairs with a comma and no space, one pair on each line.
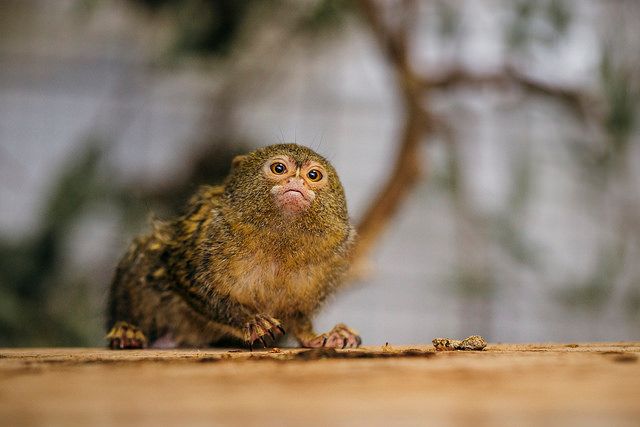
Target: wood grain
525,385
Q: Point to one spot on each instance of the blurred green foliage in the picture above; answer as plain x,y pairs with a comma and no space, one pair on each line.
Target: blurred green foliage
540,21
593,291
203,26
211,27
31,269
448,19
622,98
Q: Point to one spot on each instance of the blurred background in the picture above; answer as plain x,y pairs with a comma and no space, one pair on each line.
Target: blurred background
489,151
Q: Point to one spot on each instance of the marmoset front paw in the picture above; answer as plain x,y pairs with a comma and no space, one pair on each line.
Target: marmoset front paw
262,328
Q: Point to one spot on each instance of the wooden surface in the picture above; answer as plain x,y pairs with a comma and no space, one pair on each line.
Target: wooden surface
513,385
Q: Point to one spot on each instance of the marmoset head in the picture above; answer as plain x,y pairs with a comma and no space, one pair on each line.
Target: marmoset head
287,181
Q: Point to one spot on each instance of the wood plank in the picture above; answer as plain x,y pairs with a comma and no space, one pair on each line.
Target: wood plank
519,384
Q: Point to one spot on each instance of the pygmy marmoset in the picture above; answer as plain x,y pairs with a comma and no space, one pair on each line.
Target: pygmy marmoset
246,261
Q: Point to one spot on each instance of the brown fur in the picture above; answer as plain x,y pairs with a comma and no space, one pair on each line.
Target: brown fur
233,254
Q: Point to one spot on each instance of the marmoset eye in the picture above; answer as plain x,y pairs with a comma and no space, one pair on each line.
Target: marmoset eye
278,168
314,175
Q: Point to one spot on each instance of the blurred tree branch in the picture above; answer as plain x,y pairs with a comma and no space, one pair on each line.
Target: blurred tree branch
420,121
583,106
406,171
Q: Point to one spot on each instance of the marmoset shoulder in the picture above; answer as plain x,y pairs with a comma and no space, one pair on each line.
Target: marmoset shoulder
246,261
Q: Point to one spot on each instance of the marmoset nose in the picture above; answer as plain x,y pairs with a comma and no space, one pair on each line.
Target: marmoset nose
295,181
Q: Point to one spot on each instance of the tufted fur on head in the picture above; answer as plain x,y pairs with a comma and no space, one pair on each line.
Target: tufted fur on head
249,194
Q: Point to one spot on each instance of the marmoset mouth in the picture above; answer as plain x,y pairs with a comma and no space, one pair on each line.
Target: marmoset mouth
293,200
295,191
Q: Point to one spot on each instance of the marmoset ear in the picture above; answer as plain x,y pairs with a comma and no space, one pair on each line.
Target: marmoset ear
237,161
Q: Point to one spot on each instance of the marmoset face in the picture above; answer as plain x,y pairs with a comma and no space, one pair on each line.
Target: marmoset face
290,181
294,184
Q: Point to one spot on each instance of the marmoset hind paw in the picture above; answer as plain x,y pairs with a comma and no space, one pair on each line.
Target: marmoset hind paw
126,336
341,336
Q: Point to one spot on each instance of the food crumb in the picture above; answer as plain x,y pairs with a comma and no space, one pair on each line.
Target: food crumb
472,343
445,344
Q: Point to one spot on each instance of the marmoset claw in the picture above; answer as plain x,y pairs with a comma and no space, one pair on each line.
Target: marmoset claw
262,327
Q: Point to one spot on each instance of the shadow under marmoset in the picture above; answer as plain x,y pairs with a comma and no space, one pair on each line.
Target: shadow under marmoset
246,261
